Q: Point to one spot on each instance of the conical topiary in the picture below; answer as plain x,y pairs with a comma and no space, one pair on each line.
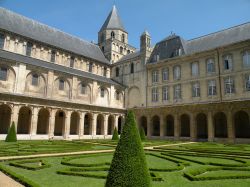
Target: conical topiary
115,135
129,166
142,134
11,137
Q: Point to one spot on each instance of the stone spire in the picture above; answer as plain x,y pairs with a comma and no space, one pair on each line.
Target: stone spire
113,21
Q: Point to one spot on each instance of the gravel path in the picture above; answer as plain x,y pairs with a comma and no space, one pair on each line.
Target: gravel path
6,181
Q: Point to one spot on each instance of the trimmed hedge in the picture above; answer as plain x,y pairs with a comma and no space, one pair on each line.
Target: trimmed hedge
22,163
129,166
193,174
82,174
11,136
23,180
156,176
115,134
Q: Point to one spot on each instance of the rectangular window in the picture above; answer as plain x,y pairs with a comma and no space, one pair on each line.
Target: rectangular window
177,73
155,76
248,82
165,93
3,74
61,84
246,59
53,56
229,85
195,69
90,67
210,66
72,61
34,80
177,91
228,62
212,87
102,92
104,71
165,74
2,39
29,48
196,90
155,94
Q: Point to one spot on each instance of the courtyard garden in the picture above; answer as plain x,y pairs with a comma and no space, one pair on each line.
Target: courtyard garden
170,163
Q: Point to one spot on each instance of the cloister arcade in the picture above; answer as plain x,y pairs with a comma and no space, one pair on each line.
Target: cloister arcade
58,122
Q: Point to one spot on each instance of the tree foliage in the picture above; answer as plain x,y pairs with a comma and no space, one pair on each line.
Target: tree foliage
11,137
115,135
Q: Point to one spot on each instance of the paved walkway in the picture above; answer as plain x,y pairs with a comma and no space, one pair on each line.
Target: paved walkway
6,181
167,145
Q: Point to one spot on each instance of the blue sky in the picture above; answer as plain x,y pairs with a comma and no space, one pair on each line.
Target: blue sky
187,18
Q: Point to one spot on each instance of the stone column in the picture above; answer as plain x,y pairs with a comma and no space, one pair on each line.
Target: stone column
162,126
52,122
34,120
106,124
81,124
67,124
210,126
176,127
148,127
14,115
230,128
193,128
116,122
93,125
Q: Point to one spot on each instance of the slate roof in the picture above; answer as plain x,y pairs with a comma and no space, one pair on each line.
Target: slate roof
51,66
113,21
129,56
34,30
232,35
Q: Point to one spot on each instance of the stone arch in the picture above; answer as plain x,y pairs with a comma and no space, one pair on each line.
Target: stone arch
119,124
40,88
155,126
201,126
9,83
59,123
88,124
241,124
84,94
169,129
100,124
220,125
65,93
185,125
111,124
143,124
24,120
102,99
43,121
5,117
134,96
74,123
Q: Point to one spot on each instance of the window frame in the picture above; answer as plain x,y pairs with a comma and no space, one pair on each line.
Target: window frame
35,79
210,61
3,74
2,40
53,56
212,88
247,58
196,89
177,74
229,85
165,93
165,74
61,86
29,49
155,94
90,68
83,89
197,69
177,92
247,82
102,92
155,76
229,59
117,71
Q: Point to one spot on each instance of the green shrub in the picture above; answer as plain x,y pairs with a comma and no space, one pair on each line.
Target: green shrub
142,134
11,137
129,166
115,135
23,164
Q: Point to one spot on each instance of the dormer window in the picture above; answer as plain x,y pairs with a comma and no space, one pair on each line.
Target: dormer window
2,39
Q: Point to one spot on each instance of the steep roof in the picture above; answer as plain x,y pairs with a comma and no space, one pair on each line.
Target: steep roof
113,21
166,47
34,30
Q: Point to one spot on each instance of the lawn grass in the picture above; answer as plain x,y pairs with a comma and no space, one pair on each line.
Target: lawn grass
47,177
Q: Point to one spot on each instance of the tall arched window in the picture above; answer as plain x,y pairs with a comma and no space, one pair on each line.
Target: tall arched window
132,68
112,35
34,81
121,49
123,37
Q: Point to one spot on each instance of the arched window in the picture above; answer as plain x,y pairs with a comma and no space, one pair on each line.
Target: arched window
90,67
177,72
246,59
61,84
29,48
105,71
132,68
117,72
102,92
195,69
53,56
112,35
34,81
121,50
117,95
2,39
83,88
165,74
72,61
123,37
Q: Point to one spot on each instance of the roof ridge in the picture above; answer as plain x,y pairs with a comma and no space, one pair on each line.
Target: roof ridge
229,28
50,27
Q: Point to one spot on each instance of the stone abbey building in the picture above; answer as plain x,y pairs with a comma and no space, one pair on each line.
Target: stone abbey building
56,86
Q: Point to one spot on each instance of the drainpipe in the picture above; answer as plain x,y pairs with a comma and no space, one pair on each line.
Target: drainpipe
219,70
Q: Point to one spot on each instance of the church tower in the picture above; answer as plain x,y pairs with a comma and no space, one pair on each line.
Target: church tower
145,46
113,38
